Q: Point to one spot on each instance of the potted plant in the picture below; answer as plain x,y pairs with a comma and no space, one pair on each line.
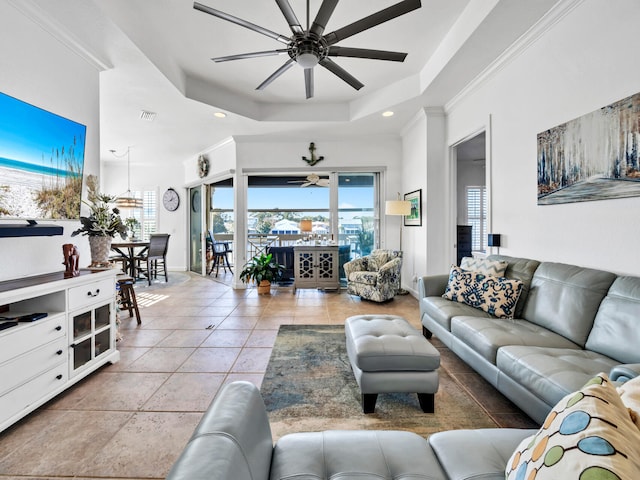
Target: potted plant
262,270
101,225
131,224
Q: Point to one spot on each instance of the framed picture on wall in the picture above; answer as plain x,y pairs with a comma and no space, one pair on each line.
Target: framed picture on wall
414,219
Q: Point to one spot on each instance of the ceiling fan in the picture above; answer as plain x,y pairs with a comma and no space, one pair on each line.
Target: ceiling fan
312,47
312,179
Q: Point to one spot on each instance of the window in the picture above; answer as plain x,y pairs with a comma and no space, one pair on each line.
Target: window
477,216
147,215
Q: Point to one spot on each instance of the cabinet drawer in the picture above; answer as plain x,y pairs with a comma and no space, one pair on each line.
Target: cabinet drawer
27,366
29,336
23,397
91,293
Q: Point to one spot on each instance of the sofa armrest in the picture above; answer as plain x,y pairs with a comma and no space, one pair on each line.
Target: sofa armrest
355,265
391,266
432,285
232,440
622,373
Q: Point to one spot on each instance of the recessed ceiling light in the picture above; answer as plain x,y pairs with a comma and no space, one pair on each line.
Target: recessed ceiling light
220,115
388,113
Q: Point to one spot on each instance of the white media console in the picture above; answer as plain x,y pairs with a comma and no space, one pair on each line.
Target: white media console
39,359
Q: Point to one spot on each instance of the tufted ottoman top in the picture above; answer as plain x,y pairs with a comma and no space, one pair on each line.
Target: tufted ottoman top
388,343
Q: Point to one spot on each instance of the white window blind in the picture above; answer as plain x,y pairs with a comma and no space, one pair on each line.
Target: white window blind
477,216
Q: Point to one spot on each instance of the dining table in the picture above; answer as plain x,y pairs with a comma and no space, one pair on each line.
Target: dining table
129,249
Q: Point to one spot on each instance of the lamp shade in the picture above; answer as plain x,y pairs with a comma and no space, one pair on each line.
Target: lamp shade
306,225
128,201
397,207
493,240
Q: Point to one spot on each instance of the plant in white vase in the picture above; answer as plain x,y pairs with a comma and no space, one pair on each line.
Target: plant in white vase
102,224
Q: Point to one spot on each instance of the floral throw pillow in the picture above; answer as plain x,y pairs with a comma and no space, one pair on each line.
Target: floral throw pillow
587,436
497,296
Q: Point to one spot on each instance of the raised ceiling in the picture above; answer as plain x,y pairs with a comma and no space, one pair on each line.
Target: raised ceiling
158,58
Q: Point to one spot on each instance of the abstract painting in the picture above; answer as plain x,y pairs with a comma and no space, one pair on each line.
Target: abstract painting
593,157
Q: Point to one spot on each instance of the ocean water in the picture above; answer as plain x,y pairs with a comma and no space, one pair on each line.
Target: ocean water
37,169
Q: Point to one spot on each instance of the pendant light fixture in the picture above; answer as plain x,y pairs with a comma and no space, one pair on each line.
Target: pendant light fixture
127,200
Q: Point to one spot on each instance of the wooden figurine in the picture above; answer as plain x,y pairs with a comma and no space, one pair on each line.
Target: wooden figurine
71,260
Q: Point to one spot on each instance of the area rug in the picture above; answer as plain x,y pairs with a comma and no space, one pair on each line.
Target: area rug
309,386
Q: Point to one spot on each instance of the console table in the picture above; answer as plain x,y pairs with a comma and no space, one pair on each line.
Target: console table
40,359
316,267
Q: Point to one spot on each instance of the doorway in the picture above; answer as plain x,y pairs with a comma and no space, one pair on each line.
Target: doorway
471,197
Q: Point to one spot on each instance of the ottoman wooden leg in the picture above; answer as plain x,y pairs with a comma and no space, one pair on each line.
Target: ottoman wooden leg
427,403
369,402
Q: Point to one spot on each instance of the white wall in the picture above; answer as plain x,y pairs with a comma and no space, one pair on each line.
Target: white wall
36,68
583,62
143,177
414,239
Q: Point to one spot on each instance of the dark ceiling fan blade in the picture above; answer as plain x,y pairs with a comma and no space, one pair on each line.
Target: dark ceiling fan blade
308,82
325,12
341,72
336,51
242,56
377,18
289,14
242,23
288,64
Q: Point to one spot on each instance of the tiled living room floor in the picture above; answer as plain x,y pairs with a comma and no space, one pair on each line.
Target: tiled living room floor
132,419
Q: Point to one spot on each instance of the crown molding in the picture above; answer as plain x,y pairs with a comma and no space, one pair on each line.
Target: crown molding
517,48
33,12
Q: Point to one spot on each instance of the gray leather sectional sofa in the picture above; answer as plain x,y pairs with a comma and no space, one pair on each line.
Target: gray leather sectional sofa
233,442
570,324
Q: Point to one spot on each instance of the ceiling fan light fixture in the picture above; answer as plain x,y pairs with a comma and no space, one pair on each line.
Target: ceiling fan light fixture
307,60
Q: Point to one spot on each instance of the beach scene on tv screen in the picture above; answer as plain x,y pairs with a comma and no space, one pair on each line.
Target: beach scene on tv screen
41,162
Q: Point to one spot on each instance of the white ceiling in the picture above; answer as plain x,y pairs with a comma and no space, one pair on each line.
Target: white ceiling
158,56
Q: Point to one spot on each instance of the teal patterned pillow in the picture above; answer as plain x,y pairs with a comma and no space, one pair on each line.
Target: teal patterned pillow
497,296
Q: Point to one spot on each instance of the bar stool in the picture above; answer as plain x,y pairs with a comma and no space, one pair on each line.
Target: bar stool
128,296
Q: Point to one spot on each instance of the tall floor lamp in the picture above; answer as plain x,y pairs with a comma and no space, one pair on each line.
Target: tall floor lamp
398,208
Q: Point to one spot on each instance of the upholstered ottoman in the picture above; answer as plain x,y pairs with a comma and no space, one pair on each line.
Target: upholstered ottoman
388,355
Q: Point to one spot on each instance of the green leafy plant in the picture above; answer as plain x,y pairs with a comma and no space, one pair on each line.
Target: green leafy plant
131,223
261,268
104,221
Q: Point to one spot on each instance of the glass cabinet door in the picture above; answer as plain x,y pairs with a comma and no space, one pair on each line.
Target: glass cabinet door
91,335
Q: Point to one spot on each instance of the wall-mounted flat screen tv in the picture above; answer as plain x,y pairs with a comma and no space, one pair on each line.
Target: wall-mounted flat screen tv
41,162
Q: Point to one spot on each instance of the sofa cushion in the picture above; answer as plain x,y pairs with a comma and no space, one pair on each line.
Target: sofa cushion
441,310
521,269
354,454
378,258
486,335
485,450
495,268
367,278
587,435
495,295
551,373
565,299
616,328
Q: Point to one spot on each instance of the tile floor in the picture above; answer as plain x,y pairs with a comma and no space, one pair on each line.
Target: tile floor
132,419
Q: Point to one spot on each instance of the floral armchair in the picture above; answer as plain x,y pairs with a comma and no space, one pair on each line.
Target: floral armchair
374,277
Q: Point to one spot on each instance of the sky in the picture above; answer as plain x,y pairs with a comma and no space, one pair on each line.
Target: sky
29,134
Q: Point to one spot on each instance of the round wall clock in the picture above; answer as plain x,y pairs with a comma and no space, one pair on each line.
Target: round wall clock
203,166
171,200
